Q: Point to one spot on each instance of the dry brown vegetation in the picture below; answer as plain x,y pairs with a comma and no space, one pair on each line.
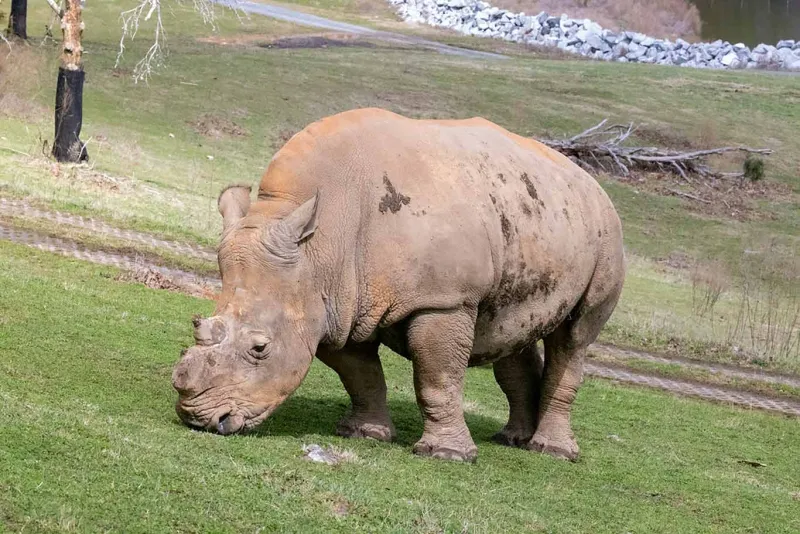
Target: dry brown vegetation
22,73
657,18
762,314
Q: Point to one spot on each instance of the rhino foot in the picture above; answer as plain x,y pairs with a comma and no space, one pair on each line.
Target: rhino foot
565,448
447,451
354,429
511,438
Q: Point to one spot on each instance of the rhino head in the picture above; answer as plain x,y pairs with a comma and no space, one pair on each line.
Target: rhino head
258,346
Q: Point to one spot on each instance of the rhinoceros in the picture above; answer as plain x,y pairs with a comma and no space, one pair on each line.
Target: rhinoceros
453,242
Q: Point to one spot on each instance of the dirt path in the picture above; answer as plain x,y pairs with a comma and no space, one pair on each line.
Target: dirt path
720,369
67,247
184,281
693,389
20,208
305,19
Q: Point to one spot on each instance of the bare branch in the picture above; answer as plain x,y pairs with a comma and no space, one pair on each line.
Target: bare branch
7,42
588,132
144,11
59,11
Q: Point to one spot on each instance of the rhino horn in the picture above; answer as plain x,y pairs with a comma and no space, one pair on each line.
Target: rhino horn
208,331
281,239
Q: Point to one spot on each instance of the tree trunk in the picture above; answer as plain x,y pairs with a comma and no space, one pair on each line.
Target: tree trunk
67,146
18,19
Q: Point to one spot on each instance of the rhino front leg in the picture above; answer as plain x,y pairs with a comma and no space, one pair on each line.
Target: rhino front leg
440,344
520,376
359,368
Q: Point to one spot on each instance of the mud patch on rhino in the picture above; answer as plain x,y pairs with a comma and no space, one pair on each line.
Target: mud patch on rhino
501,177
531,189
393,200
566,213
506,227
516,291
525,208
494,200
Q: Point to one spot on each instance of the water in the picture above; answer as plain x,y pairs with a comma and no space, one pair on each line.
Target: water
750,21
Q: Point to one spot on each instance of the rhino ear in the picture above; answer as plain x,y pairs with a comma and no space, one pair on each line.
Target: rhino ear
302,222
233,203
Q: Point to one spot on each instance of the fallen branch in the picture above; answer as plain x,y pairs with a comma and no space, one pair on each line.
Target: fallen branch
687,195
602,147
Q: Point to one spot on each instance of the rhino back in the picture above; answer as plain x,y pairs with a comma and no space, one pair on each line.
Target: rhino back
441,214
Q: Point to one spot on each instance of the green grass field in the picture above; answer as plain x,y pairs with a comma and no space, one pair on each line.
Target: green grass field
89,441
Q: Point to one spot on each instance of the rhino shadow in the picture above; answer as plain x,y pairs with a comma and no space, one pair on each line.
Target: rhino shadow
302,415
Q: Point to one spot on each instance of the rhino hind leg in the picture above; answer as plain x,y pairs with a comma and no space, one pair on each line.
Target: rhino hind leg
359,368
565,351
520,376
440,344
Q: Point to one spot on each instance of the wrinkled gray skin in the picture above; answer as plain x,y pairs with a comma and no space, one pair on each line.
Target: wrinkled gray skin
455,243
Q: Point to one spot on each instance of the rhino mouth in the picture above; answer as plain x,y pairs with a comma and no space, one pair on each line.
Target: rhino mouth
226,422
230,424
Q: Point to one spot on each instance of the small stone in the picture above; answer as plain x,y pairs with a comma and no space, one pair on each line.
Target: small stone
596,42
786,43
636,37
542,17
593,27
619,50
731,60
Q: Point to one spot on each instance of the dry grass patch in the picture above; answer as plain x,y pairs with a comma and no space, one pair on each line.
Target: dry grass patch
217,126
758,313
736,199
23,72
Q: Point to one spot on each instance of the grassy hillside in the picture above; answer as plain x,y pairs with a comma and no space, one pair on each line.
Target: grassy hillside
90,441
224,104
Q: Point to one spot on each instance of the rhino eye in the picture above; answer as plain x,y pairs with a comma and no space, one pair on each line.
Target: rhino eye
260,349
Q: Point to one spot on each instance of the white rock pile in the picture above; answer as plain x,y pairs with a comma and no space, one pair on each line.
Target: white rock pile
587,38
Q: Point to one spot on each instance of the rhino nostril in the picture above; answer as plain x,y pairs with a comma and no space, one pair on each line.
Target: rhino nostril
180,382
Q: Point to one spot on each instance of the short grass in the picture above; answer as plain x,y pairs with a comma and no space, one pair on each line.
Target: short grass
90,441
165,175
